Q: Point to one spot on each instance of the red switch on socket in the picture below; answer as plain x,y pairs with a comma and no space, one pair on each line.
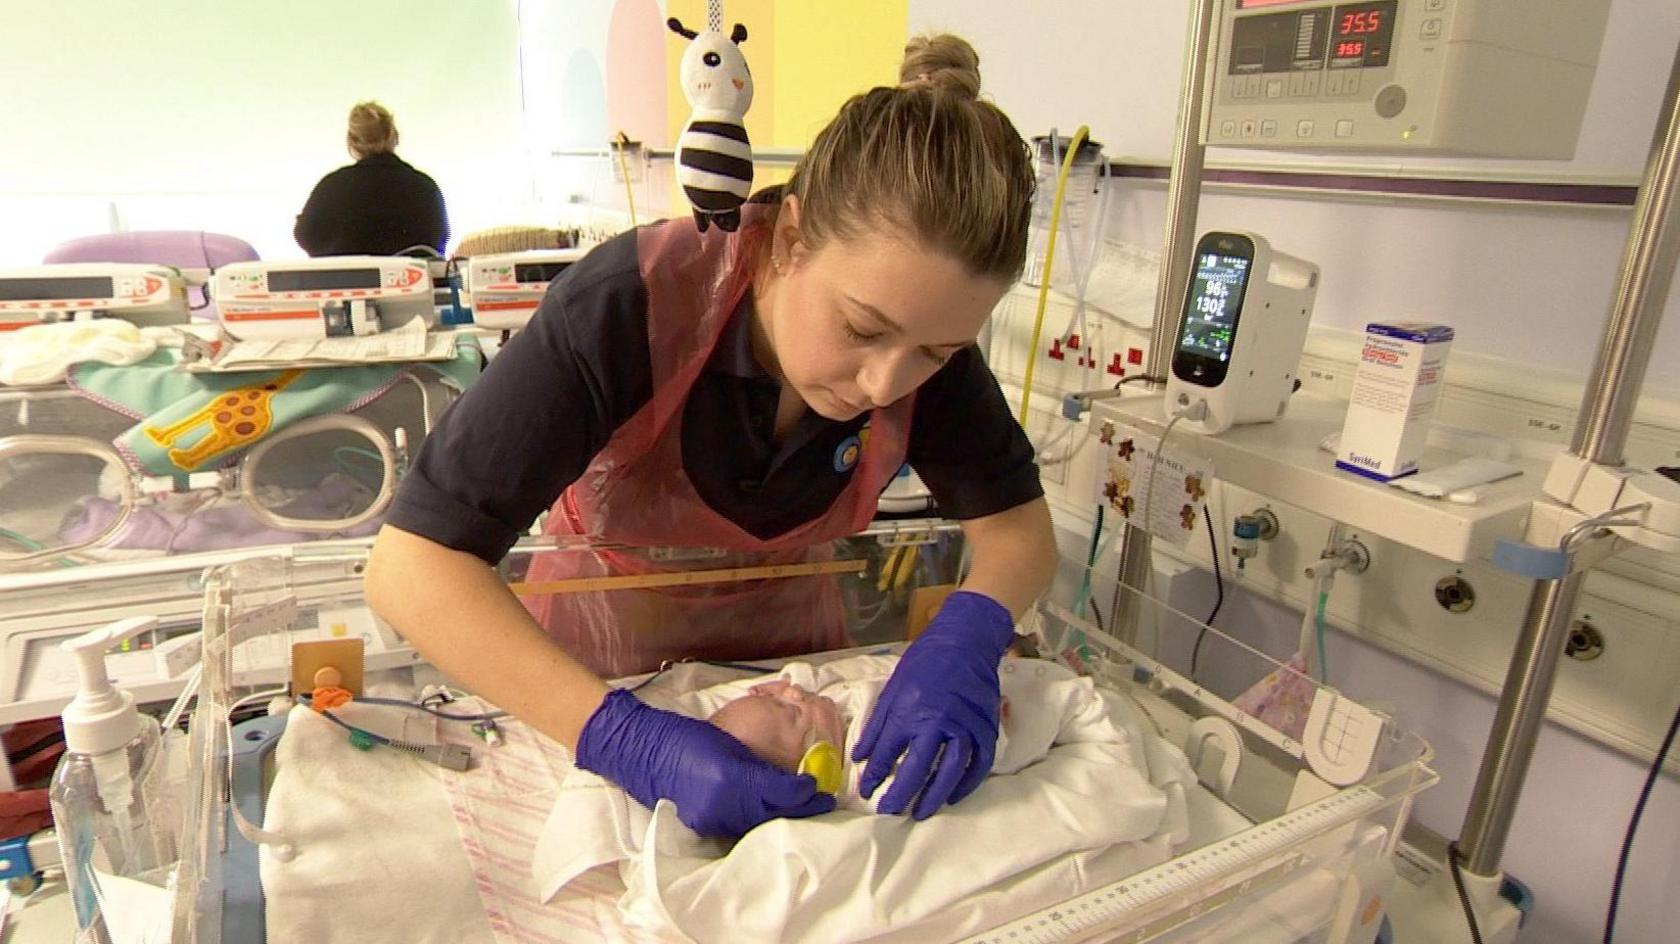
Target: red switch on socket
1134,355
1073,342
1116,368
1056,350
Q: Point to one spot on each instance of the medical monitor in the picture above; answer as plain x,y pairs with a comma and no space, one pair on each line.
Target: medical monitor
1494,78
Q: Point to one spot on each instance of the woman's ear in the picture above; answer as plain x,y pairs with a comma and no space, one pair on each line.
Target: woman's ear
787,243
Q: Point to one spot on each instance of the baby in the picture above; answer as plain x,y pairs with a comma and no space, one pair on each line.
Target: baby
780,720
1072,773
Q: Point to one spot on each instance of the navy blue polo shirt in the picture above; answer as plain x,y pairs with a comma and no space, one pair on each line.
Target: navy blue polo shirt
552,398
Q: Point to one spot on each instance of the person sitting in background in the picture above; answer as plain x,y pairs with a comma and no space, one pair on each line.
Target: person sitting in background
378,206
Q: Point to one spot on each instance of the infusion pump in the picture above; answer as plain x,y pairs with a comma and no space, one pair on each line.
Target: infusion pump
504,289
1495,78
143,294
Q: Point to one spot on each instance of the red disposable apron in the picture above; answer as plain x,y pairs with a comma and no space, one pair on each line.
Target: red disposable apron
637,493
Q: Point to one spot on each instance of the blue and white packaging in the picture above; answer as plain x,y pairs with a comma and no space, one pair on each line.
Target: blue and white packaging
1395,389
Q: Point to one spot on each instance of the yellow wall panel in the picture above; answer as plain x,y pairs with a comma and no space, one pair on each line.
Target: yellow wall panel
826,52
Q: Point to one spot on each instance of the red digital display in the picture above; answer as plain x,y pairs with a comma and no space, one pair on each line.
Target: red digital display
1359,22
1350,50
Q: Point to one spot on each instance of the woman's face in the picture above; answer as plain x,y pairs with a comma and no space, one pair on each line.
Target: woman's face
860,323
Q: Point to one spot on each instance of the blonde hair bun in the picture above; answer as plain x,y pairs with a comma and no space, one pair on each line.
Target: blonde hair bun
944,62
372,129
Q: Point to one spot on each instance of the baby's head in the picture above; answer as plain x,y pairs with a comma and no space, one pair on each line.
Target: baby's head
779,720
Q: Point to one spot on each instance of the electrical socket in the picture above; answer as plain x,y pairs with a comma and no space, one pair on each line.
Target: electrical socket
1077,368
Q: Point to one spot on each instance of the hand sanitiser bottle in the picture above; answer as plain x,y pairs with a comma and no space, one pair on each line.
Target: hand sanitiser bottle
101,790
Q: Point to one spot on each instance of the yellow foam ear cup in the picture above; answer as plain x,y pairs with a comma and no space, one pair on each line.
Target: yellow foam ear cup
822,762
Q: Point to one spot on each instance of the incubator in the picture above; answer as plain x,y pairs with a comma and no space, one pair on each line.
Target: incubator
1282,836
130,461
81,494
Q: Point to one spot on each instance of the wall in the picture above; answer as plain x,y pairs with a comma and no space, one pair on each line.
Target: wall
600,62
1521,282
222,114
1546,272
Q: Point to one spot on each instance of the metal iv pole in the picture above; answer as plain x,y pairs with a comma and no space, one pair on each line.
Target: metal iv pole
1648,263
1184,193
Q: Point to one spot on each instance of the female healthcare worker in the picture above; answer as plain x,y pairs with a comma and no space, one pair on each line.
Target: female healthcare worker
750,393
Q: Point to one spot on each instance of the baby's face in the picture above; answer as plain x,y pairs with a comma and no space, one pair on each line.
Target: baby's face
779,720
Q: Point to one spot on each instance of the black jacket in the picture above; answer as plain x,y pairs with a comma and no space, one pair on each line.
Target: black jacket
377,206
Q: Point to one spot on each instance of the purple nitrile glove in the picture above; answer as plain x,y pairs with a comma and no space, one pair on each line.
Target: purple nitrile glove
939,709
719,786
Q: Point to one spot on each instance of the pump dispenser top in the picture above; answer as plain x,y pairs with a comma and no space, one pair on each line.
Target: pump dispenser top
101,718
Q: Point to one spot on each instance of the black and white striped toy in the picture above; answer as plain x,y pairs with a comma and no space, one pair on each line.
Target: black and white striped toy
714,157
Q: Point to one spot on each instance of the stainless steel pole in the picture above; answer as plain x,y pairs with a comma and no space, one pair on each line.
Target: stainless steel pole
1642,286
1641,292
1517,724
1184,189
1184,193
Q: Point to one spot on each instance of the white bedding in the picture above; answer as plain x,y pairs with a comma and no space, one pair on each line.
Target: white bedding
330,799
454,852
1078,795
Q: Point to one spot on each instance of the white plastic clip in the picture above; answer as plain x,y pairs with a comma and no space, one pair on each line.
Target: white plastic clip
1225,750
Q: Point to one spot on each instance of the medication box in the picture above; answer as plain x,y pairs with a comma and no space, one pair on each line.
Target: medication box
1395,390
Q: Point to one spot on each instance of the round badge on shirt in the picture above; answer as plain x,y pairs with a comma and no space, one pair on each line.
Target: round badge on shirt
846,454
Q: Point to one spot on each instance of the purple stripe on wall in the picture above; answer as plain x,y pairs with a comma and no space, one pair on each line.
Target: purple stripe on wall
1585,194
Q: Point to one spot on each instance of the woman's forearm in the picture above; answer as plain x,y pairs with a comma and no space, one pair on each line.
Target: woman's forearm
464,620
1014,555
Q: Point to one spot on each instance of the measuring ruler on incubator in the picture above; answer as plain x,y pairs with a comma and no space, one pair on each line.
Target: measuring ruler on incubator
1236,865
686,578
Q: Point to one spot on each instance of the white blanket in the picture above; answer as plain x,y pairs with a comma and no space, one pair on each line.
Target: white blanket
377,856
44,353
1079,795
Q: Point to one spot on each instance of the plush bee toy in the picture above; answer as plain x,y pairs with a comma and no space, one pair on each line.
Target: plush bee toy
714,158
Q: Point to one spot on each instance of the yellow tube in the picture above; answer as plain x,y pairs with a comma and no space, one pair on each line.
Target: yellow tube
624,171
1049,261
